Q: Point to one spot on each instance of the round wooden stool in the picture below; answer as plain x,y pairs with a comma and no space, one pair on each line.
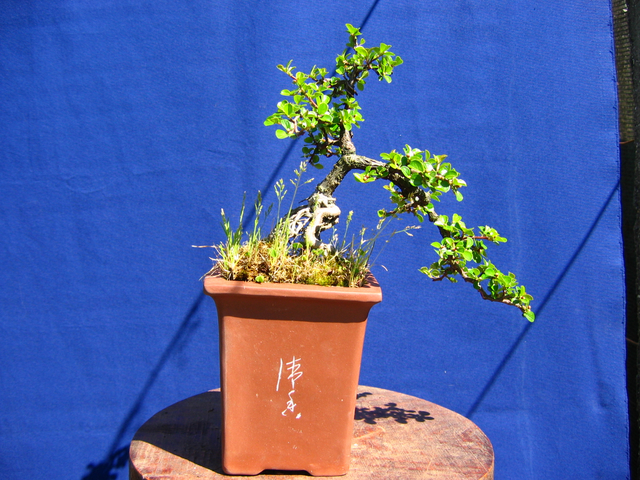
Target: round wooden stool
396,436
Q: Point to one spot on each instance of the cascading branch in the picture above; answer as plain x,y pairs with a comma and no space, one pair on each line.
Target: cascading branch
323,109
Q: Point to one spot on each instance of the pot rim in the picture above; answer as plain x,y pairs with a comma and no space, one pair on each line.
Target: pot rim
214,285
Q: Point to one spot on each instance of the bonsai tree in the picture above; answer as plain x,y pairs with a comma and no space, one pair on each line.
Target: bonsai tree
323,108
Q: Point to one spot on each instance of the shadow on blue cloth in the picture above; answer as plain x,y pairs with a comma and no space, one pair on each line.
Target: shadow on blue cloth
118,455
540,309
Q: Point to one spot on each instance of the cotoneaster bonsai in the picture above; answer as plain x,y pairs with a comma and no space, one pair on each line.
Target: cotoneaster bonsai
288,394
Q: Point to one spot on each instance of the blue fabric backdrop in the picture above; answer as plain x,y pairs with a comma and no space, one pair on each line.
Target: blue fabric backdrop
125,127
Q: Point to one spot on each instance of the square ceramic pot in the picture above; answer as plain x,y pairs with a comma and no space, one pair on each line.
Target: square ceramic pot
290,361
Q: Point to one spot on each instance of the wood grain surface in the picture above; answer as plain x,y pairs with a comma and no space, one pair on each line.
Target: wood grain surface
396,436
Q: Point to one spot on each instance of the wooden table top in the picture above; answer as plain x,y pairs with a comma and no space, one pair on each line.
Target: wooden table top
396,436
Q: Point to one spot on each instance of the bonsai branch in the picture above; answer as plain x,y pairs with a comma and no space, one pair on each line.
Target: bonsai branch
321,212
503,297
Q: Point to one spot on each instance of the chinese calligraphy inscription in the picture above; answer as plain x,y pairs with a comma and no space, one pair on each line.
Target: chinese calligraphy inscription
295,372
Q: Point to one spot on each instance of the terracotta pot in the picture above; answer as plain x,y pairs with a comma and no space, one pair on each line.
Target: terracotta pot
289,360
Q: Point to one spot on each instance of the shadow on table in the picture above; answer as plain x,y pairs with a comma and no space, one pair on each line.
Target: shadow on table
390,410
201,443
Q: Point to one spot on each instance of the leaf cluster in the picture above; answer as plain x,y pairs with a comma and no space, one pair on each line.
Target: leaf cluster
463,253
420,170
323,107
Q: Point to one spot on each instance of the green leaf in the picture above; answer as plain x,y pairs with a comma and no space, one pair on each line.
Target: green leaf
459,196
361,50
289,109
416,180
441,221
489,272
281,134
352,30
417,165
381,171
529,315
364,178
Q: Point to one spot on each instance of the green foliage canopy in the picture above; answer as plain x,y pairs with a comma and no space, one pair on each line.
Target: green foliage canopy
323,108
